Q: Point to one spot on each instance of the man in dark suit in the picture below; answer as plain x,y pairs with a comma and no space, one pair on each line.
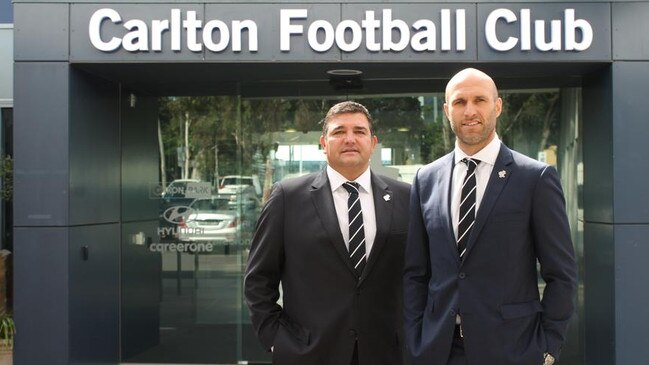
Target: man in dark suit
480,218
335,241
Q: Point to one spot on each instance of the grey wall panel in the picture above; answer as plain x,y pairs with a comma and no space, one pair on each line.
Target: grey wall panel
6,64
598,147
41,144
94,149
41,295
41,32
141,288
630,135
94,294
630,28
632,296
140,159
599,294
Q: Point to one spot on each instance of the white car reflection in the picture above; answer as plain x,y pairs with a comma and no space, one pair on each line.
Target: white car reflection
213,220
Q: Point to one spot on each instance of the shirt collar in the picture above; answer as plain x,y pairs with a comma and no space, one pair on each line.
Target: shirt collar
336,180
488,154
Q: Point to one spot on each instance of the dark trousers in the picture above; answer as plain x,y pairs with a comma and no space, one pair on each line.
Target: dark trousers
457,356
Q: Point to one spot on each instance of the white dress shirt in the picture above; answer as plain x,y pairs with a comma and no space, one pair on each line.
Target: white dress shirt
340,195
487,157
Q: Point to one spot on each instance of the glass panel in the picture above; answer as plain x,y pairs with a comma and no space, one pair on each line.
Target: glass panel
207,207
6,178
221,156
546,125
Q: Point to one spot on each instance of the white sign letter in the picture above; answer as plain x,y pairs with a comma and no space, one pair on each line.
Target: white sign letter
357,35
224,35
157,28
192,25
286,29
94,29
388,26
137,39
313,36
571,26
490,30
237,32
371,24
424,38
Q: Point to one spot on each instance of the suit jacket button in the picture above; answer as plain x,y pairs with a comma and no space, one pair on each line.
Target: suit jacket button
453,313
352,333
462,275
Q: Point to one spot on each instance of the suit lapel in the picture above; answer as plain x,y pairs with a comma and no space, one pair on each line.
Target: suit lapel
497,181
444,195
324,206
383,213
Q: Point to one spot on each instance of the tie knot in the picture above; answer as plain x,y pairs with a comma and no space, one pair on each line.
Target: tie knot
471,163
351,187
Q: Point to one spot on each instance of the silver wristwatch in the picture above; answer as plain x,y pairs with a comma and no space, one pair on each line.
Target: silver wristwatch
548,359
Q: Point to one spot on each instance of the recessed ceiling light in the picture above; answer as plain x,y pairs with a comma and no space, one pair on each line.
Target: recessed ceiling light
344,72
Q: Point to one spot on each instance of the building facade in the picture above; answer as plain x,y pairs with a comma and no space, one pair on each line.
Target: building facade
141,126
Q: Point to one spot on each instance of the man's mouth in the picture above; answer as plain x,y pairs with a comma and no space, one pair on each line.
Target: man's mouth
471,123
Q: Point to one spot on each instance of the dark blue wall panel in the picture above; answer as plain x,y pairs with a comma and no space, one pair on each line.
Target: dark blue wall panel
41,32
598,147
140,158
41,293
630,137
141,290
41,133
629,21
599,294
94,294
632,296
94,150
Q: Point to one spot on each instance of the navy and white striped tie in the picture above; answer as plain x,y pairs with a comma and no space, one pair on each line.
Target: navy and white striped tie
356,228
467,206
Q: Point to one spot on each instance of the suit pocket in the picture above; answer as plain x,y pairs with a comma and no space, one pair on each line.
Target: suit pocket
301,334
520,310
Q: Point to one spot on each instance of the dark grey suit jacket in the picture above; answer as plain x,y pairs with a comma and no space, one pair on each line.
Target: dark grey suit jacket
521,219
325,307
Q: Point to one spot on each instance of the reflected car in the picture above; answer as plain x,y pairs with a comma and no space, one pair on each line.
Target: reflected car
234,184
173,202
211,220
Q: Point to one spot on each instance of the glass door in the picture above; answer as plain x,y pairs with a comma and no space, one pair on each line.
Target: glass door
218,158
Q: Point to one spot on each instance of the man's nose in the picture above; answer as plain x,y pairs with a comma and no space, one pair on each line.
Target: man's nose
349,137
469,109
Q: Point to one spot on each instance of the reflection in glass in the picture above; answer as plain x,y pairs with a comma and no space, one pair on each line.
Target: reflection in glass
219,158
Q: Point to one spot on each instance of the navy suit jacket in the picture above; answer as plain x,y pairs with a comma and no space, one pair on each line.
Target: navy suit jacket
521,219
326,308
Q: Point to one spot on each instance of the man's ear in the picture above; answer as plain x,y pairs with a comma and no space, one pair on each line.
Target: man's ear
499,106
323,143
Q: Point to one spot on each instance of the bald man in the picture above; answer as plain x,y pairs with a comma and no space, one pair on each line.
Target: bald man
480,219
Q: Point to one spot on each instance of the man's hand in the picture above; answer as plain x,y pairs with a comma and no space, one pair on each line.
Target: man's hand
548,359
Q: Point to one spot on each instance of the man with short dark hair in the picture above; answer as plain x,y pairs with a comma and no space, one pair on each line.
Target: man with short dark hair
335,241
